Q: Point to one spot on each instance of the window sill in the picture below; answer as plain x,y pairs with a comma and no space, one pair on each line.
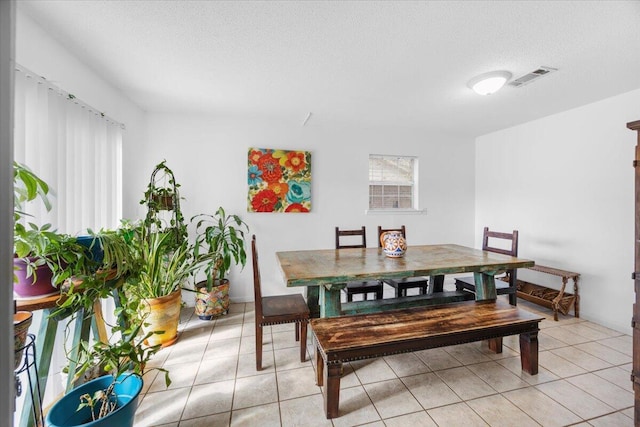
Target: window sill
395,212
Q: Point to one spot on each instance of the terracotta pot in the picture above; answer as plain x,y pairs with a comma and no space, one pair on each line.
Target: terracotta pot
27,287
163,315
212,304
21,323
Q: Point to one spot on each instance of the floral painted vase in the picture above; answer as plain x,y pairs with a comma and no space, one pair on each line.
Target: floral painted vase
393,243
210,305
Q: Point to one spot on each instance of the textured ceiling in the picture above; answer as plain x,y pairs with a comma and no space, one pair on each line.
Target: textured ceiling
365,63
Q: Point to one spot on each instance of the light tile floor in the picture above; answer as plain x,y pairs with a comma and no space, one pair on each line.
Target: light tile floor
583,380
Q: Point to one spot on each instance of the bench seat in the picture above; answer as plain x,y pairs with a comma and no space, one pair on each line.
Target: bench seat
365,336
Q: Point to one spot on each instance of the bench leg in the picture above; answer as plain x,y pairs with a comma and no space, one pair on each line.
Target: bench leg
319,368
495,345
303,340
332,389
529,352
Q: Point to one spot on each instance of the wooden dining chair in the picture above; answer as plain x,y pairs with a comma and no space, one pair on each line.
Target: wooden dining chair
364,287
274,310
402,285
506,284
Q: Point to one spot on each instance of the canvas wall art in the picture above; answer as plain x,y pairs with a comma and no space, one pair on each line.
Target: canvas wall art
279,181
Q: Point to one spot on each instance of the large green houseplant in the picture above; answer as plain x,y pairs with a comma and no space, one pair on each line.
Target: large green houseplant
163,268
221,237
42,256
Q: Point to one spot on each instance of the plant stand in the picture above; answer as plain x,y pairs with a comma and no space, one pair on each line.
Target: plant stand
29,365
163,205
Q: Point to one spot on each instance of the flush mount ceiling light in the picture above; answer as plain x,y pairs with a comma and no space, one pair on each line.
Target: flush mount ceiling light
488,83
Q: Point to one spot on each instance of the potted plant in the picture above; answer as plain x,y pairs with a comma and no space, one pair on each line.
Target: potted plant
222,237
162,270
41,255
162,199
110,399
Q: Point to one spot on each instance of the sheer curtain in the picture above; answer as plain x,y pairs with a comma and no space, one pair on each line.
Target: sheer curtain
75,149
78,152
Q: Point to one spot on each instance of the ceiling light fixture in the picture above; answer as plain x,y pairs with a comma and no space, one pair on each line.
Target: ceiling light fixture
488,83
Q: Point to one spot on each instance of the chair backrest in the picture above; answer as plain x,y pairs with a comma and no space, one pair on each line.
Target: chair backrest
345,233
384,230
513,251
513,237
257,292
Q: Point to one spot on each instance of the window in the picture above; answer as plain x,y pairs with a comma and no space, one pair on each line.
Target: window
393,182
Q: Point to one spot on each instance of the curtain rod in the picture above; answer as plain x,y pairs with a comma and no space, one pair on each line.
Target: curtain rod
67,95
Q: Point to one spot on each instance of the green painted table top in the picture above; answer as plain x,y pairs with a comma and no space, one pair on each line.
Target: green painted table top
319,267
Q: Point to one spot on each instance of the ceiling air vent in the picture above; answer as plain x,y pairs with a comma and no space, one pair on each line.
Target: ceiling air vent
529,77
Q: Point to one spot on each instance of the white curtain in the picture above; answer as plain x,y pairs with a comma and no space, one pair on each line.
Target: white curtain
75,149
78,152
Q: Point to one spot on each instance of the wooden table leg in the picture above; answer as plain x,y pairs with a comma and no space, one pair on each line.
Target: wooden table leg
332,389
529,352
313,301
330,305
436,283
485,286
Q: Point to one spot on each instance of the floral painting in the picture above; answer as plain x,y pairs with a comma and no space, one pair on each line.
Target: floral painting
279,180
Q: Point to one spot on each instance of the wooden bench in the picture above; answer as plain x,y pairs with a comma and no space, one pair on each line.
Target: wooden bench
365,336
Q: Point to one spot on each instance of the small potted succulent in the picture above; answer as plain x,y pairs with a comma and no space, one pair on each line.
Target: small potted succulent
223,237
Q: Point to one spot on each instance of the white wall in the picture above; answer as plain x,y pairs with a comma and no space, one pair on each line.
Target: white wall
566,183
208,155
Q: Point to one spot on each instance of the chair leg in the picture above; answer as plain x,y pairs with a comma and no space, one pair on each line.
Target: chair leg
258,347
513,299
303,341
297,331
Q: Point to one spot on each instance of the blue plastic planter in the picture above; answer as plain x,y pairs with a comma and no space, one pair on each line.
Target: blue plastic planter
93,245
64,413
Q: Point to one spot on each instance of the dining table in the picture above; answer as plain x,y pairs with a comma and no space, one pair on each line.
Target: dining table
325,272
